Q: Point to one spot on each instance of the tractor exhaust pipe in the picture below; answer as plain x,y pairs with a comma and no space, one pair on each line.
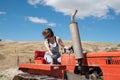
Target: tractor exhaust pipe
76,38
77,51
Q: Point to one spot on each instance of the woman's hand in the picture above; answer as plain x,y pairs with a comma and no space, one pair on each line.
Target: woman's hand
54,56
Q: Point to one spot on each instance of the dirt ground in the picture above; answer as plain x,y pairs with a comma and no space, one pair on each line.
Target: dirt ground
11,51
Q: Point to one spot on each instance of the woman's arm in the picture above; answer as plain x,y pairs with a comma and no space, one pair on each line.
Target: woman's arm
61,43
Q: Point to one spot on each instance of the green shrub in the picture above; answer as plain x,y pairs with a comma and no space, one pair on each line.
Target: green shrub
96,49
118,45
112,49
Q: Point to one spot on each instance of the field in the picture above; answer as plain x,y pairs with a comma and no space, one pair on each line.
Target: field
11,51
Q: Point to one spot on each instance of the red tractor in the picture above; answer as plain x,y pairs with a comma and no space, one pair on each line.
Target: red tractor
77,65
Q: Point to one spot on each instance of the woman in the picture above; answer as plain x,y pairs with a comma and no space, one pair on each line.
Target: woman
52,43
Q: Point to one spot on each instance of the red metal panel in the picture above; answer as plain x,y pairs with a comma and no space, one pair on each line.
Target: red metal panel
43,69
36,66
109,63
41,66
111,72
103,54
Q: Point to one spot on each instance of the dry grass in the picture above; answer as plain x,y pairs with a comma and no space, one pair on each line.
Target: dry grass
9,51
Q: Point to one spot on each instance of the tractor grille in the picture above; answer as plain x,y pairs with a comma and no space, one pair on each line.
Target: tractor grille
111,60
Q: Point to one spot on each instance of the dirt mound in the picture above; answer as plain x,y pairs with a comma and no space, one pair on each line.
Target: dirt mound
9,74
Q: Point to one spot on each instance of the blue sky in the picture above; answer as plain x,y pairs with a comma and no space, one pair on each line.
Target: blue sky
24,20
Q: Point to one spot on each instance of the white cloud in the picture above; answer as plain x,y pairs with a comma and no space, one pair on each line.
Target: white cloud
37,20
40,21
34,2
1,12
115,4
51,24
86,8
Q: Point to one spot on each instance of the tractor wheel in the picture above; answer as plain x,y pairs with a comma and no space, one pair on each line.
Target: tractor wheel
33,77
93,77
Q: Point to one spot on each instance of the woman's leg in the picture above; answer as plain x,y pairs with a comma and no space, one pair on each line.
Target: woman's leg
48,58
59,60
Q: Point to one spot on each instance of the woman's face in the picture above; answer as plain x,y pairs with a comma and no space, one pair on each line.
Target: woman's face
50,38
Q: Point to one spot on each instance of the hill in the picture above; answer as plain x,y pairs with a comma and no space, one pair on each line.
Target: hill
11,52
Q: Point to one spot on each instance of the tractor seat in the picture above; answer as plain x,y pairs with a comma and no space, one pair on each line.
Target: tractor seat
39,57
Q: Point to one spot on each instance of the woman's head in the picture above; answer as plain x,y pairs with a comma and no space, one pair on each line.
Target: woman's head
48,33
